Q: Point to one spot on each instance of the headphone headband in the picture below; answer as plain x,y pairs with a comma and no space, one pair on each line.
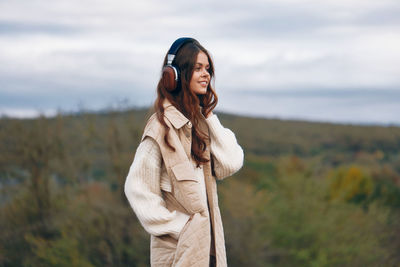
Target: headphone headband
175,47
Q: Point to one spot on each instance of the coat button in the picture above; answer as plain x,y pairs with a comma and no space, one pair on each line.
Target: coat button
189,124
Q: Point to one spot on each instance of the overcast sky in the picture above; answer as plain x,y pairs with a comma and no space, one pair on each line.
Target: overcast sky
317,60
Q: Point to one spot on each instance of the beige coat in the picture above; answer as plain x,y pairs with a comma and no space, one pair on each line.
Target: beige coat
203,234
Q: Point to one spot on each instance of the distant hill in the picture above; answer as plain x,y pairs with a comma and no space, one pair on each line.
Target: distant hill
309,194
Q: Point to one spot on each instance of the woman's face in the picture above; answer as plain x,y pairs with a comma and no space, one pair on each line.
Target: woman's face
200,78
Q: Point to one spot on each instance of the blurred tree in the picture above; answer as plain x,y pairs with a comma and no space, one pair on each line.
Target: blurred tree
31,147
61,252
275,210
350,184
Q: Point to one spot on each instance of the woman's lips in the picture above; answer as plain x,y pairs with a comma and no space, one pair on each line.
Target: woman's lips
204,84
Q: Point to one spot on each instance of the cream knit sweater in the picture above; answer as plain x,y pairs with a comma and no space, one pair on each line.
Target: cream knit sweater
143,183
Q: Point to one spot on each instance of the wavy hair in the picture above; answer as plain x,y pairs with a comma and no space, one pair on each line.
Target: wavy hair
191,105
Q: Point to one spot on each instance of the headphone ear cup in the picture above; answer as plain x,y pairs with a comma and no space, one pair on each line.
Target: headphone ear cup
170,77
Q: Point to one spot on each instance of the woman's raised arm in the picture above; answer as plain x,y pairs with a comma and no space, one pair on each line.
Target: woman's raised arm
226,152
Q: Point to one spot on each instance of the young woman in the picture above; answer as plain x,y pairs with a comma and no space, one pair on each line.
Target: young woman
171,184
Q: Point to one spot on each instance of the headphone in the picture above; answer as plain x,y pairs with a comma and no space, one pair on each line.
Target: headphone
171,73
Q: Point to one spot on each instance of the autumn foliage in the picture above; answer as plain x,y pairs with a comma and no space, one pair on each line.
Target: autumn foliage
309,194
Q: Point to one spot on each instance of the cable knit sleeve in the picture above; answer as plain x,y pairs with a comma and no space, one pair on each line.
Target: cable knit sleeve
226,152
142,189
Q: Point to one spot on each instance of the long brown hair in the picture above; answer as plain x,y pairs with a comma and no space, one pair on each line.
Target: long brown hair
185,100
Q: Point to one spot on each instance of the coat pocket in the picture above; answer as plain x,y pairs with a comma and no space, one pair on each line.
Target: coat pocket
163,249
187,187
184,171
193,247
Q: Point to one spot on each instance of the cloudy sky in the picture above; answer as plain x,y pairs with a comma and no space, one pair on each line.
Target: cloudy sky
333,60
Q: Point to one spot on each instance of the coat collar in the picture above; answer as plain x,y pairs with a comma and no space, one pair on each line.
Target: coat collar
174,115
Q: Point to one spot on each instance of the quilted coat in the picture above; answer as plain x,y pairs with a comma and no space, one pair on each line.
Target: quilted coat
203,234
